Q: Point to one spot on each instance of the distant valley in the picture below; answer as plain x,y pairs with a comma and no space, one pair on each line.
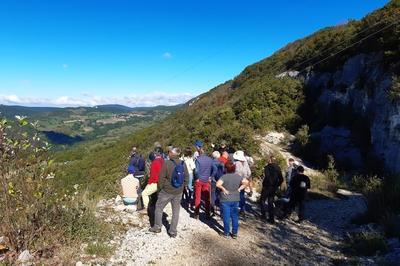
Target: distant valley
67,126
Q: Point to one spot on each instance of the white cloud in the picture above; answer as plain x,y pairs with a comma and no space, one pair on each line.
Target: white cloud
65,66
149,99
167,55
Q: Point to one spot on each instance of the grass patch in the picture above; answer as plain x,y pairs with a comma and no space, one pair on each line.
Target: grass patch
100,250
365,244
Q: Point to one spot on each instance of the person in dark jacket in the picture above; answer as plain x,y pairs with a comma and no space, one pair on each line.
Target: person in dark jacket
168,193
272,181
137,161
299,184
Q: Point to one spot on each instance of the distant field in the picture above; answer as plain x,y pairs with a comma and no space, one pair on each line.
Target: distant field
67,126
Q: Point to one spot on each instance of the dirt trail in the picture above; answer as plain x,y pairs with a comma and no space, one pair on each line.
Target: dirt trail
314,242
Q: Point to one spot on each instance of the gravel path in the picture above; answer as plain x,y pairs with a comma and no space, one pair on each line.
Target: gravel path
314,242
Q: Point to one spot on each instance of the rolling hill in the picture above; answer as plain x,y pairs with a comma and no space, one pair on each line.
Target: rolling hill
66,126
339,85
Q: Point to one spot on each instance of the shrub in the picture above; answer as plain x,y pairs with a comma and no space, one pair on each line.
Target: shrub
34,214
365,244
331,175
303,135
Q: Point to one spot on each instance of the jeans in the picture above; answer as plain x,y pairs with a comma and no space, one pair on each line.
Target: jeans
190,183
163,199
149,190
230,213
242,203
202,188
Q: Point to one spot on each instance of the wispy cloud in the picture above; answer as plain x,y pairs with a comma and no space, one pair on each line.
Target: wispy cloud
149,99
167,55
65,66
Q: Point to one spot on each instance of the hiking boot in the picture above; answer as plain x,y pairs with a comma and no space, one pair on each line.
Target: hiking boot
173,235
155,230
226,236
234,236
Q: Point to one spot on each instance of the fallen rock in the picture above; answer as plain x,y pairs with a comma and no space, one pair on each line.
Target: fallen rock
79,263
25,258
118,200
274,137
347,193
120,207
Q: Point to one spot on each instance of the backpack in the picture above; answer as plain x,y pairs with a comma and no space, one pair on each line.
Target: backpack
138,162
178,175
131,169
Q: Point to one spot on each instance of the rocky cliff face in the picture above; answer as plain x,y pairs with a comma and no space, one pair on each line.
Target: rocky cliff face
360,121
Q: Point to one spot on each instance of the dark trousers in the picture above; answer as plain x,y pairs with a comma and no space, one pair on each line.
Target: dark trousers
163,199
293,203
268,196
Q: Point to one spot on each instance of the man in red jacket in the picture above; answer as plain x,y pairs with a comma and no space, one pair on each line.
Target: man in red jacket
151,188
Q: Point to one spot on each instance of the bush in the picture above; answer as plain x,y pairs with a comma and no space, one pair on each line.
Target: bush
365,244
303,135
34,214
331,175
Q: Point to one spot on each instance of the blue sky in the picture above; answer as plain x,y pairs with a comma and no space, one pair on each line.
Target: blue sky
140,53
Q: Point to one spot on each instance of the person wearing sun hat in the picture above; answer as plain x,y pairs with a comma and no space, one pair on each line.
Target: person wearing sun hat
242,169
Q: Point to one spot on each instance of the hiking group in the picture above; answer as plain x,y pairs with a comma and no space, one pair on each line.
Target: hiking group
220,181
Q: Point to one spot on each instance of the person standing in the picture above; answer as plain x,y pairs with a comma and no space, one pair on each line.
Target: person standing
299,184
152,184
272,181
170,190
224,157
219,171
242,169
231,184
189,161
204,172
290,172
138,163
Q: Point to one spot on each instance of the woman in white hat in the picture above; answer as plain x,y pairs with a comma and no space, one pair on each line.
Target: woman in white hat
242,169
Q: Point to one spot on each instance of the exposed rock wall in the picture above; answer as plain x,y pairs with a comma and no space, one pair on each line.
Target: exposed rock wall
357,91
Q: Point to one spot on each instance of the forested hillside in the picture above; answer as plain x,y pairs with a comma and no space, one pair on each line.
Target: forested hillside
258,100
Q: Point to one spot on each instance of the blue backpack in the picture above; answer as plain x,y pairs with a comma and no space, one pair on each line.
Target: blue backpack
178,175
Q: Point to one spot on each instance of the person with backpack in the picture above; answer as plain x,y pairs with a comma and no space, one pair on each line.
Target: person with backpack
272,181
220,170
173,178
151,187
137,161
243,169
299,184
231,184
204,172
